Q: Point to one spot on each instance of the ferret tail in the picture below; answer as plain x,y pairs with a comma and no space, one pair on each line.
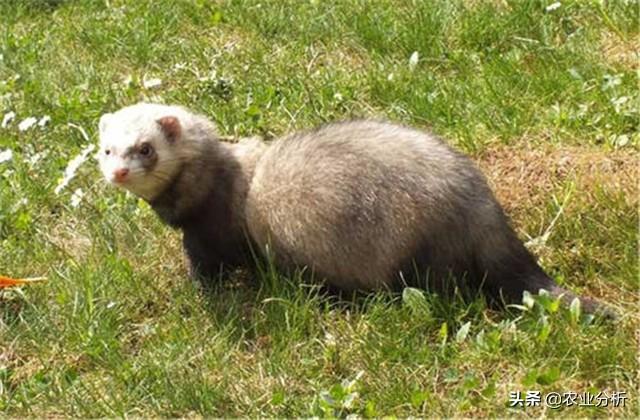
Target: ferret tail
509,275
588,305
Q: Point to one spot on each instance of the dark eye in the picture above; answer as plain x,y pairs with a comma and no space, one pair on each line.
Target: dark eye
107,152
145,150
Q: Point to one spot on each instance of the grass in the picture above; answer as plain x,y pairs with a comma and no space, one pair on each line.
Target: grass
545,100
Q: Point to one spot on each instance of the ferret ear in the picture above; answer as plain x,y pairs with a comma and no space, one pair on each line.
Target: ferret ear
104,121
170,126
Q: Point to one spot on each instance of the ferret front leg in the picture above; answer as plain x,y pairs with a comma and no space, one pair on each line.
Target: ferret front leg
201,261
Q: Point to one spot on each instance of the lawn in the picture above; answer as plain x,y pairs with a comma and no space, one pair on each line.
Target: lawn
543,95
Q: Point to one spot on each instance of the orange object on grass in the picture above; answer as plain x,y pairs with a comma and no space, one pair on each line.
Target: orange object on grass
9,282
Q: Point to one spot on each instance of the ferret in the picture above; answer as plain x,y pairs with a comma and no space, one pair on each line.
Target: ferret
365,205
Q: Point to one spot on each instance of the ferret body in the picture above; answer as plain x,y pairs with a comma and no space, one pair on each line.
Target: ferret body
366,205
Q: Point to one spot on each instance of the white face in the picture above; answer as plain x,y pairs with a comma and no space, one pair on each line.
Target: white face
136,153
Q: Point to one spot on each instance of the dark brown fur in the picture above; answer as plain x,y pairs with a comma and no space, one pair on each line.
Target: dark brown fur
212,234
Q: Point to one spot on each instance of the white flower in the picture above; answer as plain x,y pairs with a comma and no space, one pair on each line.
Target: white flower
36,157
552,6
151,83
18,205
413,60
213,75
6,156
330,339
27,123
618,103
76,197
44,121
611,81
621,140
127,80
8,117
73,166
390,77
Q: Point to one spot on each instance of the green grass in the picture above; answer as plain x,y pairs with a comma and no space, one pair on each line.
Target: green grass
119,330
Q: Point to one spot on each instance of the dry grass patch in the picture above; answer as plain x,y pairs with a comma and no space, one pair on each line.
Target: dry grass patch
70,237
337,56
526,176
622,52
500,4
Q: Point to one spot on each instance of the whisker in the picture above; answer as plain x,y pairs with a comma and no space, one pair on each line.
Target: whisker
161,174
161,177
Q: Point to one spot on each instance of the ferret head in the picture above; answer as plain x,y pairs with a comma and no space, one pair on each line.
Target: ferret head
139,147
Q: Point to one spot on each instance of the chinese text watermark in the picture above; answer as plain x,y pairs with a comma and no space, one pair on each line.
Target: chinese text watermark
567,399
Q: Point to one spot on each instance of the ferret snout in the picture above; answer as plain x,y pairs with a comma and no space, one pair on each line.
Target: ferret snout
120,175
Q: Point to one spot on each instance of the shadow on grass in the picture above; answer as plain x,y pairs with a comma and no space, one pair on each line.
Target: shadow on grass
266,302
